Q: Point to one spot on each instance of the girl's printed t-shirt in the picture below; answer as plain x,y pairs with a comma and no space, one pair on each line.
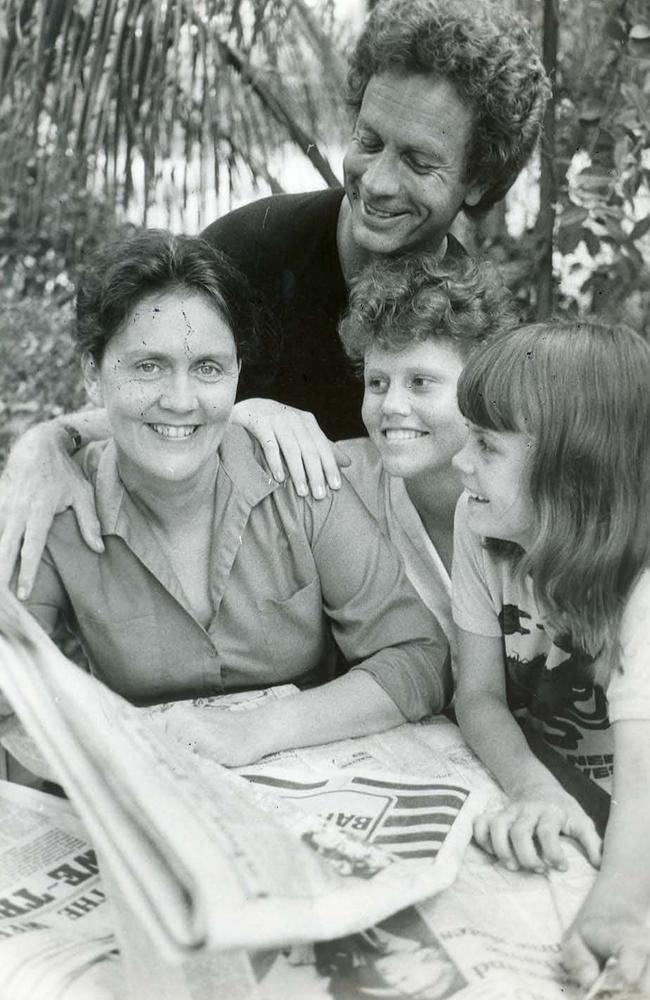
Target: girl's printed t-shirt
551,684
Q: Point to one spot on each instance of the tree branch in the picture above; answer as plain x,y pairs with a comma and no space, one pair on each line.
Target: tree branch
280,113
548,180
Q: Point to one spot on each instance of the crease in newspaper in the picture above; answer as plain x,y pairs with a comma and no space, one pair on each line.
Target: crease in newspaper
196,860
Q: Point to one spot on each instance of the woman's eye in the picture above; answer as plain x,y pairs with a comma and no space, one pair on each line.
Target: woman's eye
208,369
421,382
147,367
377,384
483,445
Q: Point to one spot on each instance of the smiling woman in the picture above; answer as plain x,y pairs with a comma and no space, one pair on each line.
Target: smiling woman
215,577
167,380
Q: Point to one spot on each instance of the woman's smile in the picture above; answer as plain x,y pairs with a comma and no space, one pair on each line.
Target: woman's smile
168,380
174,432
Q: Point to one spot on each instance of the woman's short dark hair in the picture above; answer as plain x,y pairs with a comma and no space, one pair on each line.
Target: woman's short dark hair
487,53
120,275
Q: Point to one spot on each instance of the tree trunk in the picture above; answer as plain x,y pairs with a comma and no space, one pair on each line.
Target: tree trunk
548,180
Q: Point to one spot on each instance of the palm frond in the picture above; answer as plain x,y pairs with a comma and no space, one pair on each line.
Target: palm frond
95,91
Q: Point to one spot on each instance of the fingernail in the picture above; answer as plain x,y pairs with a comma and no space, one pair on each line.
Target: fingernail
279,476
319,492
21,593
512,866
302,489
336,484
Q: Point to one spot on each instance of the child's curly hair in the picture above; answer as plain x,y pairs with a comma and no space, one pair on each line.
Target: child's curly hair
397,302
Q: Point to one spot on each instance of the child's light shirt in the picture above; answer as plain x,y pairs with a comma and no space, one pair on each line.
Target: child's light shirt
549,681
387,500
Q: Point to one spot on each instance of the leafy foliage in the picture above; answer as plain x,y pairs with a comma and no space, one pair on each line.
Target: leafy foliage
105,105
102,87
39,373
606,107
600,168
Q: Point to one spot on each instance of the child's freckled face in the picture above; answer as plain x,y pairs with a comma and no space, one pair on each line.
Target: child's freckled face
495,471
410,409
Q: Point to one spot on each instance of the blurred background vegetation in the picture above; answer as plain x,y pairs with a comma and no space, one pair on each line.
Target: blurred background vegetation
115,113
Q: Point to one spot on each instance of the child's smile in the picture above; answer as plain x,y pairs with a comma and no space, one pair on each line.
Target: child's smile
494,469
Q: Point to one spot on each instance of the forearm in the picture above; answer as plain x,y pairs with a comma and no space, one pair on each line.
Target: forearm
624,878
92,425
352,705
495,736
623,882
415,675
612,921
40,480
53,436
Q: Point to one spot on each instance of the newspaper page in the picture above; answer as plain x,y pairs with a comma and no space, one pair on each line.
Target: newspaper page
454,945
56,924
491,935
443,949
58,937
189,855
458,944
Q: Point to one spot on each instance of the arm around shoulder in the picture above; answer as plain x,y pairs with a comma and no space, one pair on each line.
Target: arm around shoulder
39,481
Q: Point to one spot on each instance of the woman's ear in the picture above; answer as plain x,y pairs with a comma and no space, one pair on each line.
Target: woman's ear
92,381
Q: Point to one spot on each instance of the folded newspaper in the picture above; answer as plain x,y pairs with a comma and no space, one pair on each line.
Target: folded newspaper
57,937
202,859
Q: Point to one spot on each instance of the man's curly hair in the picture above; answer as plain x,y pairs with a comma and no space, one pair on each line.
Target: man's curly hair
396,303
487,53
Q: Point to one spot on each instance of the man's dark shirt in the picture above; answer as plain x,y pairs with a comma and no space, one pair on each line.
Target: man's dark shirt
286,246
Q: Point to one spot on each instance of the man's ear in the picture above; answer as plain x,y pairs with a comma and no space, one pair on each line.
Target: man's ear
92,381
474,194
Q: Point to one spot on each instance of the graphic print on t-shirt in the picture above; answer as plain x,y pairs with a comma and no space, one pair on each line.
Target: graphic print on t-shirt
549,684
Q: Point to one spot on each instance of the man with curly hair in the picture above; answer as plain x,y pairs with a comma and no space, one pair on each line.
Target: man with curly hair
449,99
